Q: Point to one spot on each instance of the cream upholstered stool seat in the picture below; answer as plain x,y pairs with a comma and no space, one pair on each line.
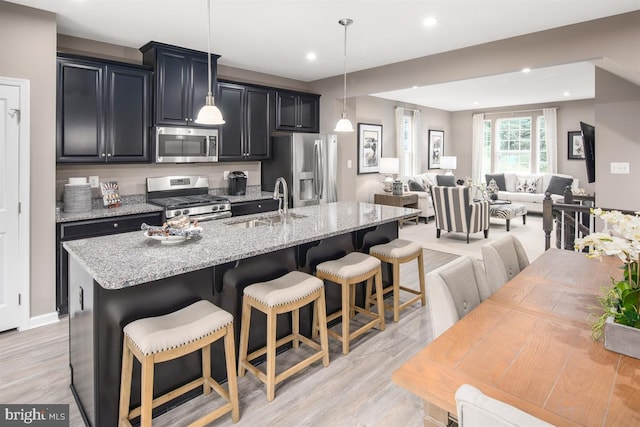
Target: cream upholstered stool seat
159,339
348,271
397,252
284,294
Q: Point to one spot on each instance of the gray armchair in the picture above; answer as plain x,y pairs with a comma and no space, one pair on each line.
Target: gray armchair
456,211
503,259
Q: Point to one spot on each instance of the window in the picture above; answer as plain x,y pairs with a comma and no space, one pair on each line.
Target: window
518,145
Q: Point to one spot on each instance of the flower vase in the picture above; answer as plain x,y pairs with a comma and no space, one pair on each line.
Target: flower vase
622,338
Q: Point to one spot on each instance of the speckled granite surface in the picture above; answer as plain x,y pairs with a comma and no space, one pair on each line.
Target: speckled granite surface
129,259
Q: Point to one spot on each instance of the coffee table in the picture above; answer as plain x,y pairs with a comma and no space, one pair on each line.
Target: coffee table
504,209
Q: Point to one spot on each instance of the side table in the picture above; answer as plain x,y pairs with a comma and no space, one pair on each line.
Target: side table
407,200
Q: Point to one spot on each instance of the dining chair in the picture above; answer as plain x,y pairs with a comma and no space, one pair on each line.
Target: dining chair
503,259
475,409
453,290
455,210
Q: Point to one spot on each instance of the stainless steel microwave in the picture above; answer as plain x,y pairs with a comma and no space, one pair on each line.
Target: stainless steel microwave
185,145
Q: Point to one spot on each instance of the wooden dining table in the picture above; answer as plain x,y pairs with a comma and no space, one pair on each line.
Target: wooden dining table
530,345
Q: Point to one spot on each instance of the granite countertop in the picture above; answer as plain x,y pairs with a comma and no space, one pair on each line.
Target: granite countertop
129,259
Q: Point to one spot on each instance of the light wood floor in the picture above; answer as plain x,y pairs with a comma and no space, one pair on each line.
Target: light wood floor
355,390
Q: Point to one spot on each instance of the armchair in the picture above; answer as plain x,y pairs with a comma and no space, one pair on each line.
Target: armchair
456,211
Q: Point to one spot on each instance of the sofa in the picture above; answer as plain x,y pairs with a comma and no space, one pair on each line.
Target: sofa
529,190
424,197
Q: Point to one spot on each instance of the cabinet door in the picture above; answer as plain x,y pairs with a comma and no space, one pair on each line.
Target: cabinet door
127,114
172,90
308,117
286,111
258,124
231,134
79,113
198,85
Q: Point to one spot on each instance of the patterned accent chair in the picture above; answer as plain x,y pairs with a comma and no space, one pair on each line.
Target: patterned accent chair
456,211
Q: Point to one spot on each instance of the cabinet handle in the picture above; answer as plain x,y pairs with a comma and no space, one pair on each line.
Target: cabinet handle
187,119
259,206
108,154
115,225
102,155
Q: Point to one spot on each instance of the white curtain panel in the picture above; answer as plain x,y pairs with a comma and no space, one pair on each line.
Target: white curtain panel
551,131
417,143
399,111
477,147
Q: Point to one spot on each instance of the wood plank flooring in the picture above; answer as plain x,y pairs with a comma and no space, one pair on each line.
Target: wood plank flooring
354,390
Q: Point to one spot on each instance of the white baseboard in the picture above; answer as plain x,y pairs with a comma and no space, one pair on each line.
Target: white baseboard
43,319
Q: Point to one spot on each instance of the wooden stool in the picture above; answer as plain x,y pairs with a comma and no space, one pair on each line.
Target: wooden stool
159,339
348,271
397,252
285,294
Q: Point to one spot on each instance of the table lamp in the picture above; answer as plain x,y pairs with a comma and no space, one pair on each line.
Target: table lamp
449,163
389,166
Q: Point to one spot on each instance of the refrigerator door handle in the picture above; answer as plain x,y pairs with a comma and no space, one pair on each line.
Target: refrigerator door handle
318,170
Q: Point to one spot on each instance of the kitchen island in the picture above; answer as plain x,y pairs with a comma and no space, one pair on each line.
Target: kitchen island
120,278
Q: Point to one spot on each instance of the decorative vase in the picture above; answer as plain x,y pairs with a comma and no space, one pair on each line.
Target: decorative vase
397,188
621,338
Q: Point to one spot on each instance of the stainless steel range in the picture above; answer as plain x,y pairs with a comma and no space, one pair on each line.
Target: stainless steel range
187,195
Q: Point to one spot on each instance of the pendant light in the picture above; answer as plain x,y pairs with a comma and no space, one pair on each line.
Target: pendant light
344,124
209,114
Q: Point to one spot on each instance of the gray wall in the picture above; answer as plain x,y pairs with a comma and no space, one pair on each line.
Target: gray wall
28,51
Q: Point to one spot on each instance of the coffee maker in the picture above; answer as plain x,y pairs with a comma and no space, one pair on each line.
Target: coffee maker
237,183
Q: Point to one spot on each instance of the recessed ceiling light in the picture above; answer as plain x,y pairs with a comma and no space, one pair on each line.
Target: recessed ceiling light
430,22
526,70
567,93
414,87
311,56
475,103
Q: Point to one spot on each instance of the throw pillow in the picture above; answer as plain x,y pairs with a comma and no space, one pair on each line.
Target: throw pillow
415,186
557,185
446,180
498,178
527,185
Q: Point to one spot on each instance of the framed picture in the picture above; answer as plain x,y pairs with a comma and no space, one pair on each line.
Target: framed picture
575,144
436,148
369,148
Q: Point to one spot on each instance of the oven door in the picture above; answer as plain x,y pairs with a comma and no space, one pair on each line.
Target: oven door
185,145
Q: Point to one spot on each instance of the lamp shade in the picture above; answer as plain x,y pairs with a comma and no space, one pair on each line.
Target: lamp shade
344,125
209,115
389,165
448,162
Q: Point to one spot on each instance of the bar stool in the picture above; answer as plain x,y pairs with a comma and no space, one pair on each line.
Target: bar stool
159,339
284,294
397,252
348,271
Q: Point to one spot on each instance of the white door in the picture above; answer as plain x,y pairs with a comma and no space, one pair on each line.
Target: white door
9,237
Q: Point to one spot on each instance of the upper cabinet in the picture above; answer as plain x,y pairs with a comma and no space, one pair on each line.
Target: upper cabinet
247,111
103,111
181,82
298,112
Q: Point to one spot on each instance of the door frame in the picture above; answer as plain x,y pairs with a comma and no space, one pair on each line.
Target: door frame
24,143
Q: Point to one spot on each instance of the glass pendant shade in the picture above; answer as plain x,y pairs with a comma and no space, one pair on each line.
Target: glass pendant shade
344,124
209,114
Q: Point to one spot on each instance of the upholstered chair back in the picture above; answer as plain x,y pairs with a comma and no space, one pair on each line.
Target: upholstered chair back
453,290
475,409
503,259
455,210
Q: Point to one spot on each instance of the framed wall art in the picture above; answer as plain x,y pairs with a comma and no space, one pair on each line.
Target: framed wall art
369,148
575,145
436,148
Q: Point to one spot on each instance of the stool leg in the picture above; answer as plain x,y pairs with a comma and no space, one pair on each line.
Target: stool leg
378,280
244,336
206,368
367,299
295,327
232,382
146,390
321,309
346,309
396,292
271,354
125,381
423,293
352,301
315,323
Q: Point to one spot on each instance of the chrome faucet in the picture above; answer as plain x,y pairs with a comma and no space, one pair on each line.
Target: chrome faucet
285,195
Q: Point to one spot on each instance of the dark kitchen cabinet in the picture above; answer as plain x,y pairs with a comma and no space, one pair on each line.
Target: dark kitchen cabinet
247,111
298,112
254,207
75,230
103,111
181,82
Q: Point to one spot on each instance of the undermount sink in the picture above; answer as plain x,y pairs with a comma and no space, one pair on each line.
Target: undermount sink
265,221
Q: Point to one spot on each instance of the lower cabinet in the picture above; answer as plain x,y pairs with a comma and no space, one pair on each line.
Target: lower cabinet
76,230
254,207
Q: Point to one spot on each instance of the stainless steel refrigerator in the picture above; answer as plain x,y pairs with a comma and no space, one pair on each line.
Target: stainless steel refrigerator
308,162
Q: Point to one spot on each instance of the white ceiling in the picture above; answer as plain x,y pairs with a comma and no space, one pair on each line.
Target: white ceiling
274,36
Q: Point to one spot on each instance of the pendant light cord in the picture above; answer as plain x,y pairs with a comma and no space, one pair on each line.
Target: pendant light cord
209,48
344,99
